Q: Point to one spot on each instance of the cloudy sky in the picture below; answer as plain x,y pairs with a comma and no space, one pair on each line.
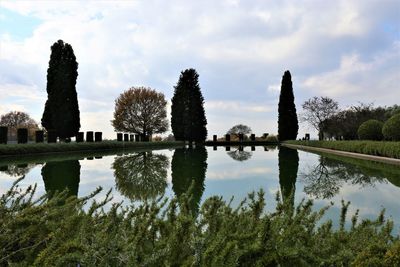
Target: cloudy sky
347,50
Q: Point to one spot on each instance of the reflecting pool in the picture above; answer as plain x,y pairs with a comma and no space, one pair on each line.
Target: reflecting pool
228,172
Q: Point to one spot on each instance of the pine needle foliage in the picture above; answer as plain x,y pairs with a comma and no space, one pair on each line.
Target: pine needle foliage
43,232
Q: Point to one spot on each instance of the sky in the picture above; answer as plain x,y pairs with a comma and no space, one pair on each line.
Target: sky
346,50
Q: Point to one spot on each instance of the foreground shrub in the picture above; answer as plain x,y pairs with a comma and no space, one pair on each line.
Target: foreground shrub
160,233
370,130
391,128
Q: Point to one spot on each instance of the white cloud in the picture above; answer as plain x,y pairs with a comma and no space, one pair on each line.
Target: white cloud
237,174
360,80
239,48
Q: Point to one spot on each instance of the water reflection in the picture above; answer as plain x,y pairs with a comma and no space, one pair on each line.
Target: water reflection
239,154
17,169
142,175
189,166
288,167
325,179
61,175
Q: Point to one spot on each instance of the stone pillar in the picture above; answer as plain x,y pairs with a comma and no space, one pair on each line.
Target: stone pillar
126,137
131,138
22,135
98,136
227,148
214,138
240,137
79,137
89,136
39,136
253,148
253,137
228,138
3,134
307,136
119,137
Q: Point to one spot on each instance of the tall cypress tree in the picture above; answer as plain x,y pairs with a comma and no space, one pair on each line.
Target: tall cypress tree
188,119
288,125
61,112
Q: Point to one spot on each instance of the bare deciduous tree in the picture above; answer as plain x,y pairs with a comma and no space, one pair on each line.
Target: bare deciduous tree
317,110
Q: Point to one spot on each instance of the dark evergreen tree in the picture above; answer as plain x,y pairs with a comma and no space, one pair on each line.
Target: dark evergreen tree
61,112
188,119
288,125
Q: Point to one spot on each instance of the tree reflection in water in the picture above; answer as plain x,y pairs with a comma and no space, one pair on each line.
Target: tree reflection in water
189,166
240,155
288,167
61,175
325,179
141,175
17,169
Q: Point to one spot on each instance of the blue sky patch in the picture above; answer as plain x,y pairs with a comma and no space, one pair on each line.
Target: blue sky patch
18,26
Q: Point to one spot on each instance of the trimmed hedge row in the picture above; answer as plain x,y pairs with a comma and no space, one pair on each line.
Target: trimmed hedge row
375,148
23,149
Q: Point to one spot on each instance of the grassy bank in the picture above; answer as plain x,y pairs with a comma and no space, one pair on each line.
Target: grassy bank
375,148
28,149
46,233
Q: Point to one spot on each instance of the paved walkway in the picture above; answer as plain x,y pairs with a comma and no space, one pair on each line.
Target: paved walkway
346,154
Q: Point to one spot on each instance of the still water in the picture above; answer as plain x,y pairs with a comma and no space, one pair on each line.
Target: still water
136,176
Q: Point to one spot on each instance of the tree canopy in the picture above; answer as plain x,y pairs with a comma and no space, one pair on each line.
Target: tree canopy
188,120
18,119
239,129
317,110
141,110
61,111
288,125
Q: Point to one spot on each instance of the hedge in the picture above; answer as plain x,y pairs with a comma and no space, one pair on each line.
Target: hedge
375,148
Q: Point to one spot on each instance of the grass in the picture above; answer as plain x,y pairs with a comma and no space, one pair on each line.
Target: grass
26,149
59,231
375,148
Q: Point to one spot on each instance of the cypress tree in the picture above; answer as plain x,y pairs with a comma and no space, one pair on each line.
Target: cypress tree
288,125
61,112
188,120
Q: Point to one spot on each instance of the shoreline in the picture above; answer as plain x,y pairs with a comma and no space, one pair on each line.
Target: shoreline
388,160
8,152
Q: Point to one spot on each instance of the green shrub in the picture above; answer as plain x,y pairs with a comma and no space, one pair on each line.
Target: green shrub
159,233
272,138
370,130
391,128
